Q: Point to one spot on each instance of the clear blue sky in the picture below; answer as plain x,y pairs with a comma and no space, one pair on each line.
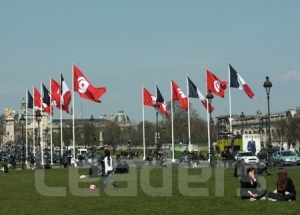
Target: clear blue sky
124,45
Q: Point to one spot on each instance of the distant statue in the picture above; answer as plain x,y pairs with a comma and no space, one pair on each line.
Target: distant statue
9,112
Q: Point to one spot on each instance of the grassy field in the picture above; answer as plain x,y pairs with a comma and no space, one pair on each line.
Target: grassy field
143,191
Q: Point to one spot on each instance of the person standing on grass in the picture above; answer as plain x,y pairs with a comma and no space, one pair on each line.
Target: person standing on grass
73,162
285,187
61,161
66,161
249,185
80,158
108,171
230,158
224,156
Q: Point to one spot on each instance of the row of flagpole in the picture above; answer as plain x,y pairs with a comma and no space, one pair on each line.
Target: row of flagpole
213,85
87,91
59,97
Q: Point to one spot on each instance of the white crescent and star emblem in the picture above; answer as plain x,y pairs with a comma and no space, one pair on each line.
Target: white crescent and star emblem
217,85
82,84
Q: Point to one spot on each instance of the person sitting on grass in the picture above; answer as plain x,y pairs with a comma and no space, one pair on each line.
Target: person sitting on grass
4,168
122,167
94,171
249,185
285,187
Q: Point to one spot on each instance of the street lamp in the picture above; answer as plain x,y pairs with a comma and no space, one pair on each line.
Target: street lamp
268,85
129,141
156,106
242,116
22,121
38,118
45,144
209,97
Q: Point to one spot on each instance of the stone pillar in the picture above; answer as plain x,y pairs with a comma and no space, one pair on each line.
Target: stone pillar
10,129
100,139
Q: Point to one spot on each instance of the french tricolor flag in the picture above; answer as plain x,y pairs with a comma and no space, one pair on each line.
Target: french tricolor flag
236,81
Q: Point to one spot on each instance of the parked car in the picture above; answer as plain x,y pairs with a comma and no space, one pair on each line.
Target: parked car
246,157
286,157
262,154
4,157
89,159
54,157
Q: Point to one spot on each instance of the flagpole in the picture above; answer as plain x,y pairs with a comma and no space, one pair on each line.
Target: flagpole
26,129
144,143
41,130
230,121
173,147
207,115
51,112
33,124
73,103
156,130
189,121
61,130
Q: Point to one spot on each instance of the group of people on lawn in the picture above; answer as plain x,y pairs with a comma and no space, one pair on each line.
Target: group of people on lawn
285,188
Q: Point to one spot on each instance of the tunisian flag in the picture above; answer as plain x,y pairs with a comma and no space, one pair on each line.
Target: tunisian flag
215,85
177,94
236,81
149,99
84,88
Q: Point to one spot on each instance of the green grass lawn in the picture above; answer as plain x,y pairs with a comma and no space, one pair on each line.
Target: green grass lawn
142,191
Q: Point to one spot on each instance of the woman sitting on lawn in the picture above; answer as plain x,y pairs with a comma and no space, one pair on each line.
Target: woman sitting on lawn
4,168
285,187
249,185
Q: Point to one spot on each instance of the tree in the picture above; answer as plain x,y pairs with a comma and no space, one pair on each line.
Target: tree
287,130
180,121
111,134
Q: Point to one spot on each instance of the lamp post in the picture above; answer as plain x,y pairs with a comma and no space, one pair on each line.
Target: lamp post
242,116
22,121
38,118
209,97
92,123
156,106
45,132
267,85
129,142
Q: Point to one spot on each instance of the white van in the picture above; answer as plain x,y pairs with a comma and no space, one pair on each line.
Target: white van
82,151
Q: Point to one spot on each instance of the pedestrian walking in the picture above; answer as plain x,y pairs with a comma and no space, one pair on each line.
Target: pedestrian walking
108,171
